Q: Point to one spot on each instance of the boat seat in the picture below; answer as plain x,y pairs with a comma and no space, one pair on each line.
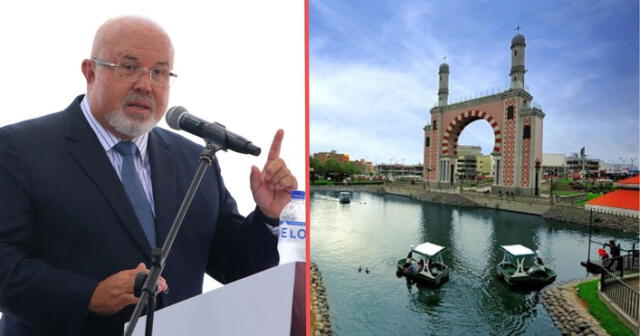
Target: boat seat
538,269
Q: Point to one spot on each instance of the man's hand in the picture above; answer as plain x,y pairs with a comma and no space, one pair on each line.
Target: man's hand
116,292
271,187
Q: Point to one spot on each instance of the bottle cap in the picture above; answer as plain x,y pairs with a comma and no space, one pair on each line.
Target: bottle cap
297,194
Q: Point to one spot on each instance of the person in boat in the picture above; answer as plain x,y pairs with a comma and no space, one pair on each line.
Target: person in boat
538,267
409,259
410,267
413,269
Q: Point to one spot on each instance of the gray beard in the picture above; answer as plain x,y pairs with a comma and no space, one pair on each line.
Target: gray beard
129,126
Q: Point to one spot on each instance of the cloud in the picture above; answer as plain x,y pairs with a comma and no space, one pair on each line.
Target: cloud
359,109
374,76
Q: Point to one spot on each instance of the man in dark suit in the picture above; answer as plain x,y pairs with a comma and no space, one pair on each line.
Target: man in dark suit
85,194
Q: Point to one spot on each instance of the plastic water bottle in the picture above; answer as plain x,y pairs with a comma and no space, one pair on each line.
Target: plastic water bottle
292,232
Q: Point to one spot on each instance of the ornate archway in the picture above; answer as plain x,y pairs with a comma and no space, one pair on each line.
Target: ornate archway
516,124
455,127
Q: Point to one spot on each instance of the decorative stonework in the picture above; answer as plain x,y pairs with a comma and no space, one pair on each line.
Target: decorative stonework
455,127
526,155
509,145
431,155
434,155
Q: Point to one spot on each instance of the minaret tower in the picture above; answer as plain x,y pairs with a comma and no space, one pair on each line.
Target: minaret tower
443,89
517,62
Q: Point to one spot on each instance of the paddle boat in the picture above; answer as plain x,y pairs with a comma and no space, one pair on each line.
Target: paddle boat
424,265
345,198
520,266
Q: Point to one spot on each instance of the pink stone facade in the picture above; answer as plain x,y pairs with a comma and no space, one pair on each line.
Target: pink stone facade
538,139
526,155
515,155
509,153
431,154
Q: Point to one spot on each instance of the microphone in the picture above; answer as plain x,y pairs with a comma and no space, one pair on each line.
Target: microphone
179,118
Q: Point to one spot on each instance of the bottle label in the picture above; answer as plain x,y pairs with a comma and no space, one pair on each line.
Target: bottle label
286,222
292,230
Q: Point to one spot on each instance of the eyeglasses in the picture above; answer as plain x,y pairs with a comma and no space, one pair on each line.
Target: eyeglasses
132,72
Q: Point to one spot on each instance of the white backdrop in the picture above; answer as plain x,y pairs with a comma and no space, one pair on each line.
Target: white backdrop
240,63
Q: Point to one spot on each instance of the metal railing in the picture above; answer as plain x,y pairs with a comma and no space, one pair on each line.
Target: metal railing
478,94
612,285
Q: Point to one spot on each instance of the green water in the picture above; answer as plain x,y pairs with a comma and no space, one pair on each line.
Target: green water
375,231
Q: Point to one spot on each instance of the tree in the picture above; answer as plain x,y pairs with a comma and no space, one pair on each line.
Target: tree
332,167
338,169
319,167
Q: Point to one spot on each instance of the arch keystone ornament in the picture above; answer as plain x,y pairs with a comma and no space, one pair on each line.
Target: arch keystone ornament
517,130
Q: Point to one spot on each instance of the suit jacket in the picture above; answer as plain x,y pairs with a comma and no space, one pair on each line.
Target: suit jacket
66,224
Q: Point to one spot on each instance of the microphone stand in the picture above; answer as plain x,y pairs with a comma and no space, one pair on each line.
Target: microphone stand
159,256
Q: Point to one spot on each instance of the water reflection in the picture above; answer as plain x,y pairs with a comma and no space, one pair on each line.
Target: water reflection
374,231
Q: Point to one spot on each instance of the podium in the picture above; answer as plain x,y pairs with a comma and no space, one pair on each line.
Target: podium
270,303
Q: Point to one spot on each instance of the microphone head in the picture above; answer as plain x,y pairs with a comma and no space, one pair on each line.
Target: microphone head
174,115
253,149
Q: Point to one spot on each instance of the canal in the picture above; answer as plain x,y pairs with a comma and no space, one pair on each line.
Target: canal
375,230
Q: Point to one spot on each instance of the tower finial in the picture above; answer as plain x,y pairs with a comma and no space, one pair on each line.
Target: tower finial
518,28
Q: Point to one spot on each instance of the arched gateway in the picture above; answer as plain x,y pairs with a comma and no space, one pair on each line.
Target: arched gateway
517,127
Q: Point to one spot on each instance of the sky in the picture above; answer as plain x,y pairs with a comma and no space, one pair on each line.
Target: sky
239,63
374,72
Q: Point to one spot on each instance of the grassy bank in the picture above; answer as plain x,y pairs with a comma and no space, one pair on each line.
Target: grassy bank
609,321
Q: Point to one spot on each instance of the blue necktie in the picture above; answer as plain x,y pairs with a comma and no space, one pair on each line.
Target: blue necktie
135,191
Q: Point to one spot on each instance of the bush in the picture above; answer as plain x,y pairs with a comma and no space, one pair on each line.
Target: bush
321,182
365,182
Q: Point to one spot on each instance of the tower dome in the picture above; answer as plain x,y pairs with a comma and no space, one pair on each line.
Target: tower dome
517,62
517,40
444,67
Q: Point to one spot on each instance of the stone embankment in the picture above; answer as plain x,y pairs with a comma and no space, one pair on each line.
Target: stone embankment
529,205
568,311
450,198
376,188
320,321
579,215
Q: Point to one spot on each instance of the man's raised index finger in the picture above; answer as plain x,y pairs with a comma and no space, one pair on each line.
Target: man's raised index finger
274,152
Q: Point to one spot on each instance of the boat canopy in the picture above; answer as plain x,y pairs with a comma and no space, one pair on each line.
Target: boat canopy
427,249
518,250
